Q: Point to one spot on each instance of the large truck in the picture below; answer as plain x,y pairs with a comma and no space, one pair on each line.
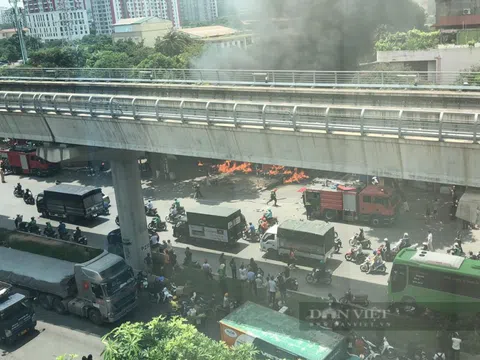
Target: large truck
374,204
211,223
23,159
17,316
71,202
68,277
309,239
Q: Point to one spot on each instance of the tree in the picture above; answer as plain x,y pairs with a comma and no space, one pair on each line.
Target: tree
159,61
168,340
109,59
56,57
174,43
410,40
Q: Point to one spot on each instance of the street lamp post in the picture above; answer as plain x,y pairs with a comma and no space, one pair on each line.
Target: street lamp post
19,26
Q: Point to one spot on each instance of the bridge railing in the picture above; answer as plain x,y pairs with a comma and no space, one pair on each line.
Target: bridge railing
349,79
361,121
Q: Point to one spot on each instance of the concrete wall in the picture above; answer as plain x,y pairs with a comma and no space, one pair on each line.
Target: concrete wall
456,58
455,163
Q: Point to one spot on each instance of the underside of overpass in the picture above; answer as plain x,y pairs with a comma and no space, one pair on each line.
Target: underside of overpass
403,158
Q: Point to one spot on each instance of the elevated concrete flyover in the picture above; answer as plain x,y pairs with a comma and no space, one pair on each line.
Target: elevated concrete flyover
428,145
458,100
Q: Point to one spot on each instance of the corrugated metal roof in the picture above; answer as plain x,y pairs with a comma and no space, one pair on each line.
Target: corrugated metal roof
209,31
72,189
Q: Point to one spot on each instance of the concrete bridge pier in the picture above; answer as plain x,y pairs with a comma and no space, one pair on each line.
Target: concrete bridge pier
130,206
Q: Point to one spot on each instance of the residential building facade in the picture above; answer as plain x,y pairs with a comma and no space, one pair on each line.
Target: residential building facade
458,14
194,11
57,20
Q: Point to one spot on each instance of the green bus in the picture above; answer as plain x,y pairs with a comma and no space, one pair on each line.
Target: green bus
440,282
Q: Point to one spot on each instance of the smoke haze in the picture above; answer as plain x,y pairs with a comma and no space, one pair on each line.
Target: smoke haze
314,34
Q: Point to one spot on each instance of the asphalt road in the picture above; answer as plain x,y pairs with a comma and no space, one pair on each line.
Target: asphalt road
241,192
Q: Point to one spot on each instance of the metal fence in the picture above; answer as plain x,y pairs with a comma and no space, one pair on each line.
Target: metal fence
427,124
346,79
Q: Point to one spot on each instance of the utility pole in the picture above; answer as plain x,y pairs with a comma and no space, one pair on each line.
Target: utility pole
19,26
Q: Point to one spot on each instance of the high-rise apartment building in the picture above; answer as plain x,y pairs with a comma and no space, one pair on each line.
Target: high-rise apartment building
163,9
193,11
57,19
105,13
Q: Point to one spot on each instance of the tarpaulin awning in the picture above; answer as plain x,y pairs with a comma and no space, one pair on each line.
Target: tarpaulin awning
469,206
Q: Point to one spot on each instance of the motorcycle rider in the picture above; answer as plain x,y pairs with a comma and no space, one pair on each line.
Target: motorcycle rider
49,229
176,203
251,230
263,227
77,234
62,229
268,214
32,225
459,243
356,250
156,221
149,206
386,249
332,299
18,220
18,188
320,270
173,212
361,235
27,194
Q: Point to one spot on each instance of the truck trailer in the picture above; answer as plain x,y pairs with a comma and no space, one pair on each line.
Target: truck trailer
374,204
68,277
211,223
71,202
310,240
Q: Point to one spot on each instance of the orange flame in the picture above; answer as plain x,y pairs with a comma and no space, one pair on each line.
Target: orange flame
297,176
276,169
229,167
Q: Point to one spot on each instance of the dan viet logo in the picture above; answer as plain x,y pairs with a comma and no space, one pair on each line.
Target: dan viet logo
344,317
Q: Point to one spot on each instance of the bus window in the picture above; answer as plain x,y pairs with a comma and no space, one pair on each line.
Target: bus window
398,278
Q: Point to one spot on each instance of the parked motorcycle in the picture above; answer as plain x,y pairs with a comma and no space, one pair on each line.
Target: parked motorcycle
378,267
314,277
18,194
359,299
354,240
337,243
157,226
50,234
173,219
291,283
355,256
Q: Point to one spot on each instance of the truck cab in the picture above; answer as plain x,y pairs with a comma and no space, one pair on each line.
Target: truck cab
17,316
268,241
106,289
380,203
23,159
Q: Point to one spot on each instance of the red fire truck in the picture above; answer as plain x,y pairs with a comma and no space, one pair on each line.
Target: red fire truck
23,159
373,204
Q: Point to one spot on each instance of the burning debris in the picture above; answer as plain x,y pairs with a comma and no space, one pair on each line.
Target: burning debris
290,176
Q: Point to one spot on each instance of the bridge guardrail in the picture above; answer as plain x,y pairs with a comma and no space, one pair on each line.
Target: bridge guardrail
286,78
362,121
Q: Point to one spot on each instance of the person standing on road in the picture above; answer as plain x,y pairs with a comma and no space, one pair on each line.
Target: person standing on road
428,212
222,274
169,245
198,194
243,273
3,169
430,241
282,287
272,290
456,341
221,259
291,258
251,282
273,197
207,270
233,267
